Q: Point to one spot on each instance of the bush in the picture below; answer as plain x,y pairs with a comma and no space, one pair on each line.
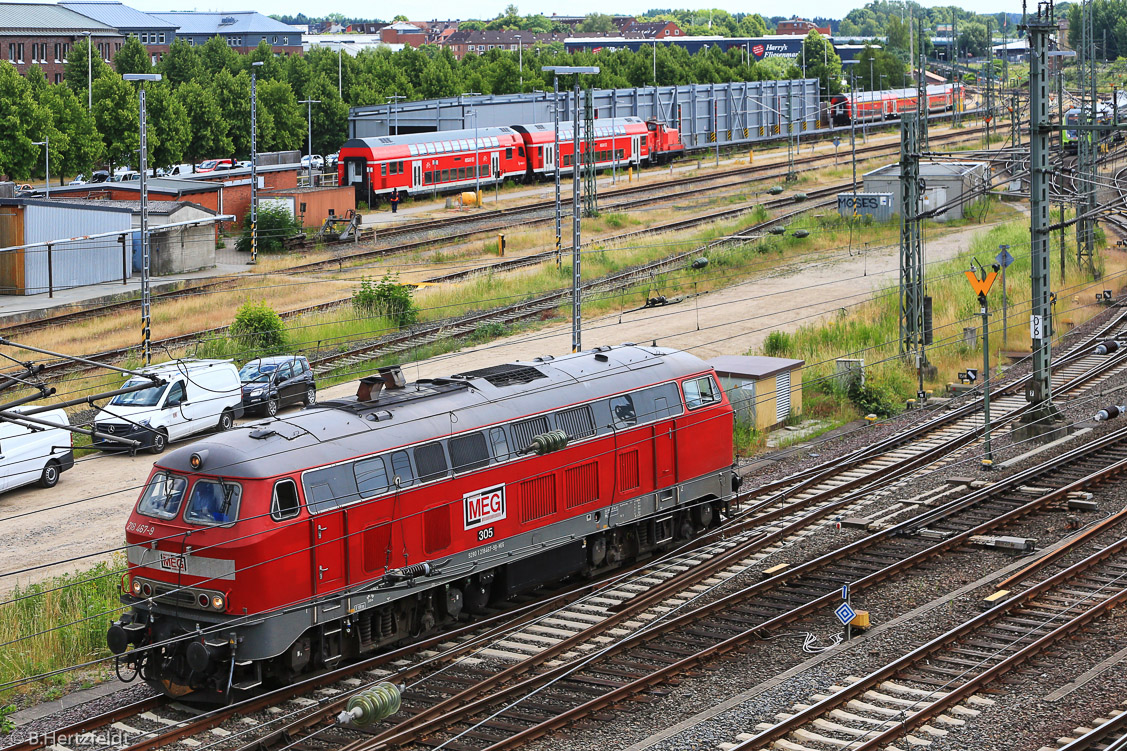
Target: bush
387,298
258,330
275,224
777,344
872,399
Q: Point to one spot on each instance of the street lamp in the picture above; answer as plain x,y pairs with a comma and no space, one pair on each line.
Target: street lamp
254,160
393,100
476,146
89,72
146,309
309,113
520,64
46,160
655,62
576,310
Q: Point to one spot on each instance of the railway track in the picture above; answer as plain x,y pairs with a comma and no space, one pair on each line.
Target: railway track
447,229
1109,734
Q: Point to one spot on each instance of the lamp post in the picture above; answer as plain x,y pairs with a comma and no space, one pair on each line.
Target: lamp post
520,63
393,101
872,81
146,310
576,307
340,70
89,72
655,62
309,114
254,160
476,147
46,160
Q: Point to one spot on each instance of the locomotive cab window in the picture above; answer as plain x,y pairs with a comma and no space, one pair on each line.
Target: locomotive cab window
213,503
509,153
285,504
431,461
469,452
371,476
383,170
163,496
700,392
329,487
622,410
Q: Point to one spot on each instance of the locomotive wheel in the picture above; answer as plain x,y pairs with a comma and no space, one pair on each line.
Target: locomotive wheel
703,515
477,597
50,476
685,530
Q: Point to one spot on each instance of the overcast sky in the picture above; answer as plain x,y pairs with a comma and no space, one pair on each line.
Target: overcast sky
431,9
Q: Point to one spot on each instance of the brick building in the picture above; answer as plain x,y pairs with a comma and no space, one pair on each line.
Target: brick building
242,30
43,35
154,33
462,43
650,29
402,32
801,27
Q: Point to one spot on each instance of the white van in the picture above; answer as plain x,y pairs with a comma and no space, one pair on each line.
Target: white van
197,395
30,455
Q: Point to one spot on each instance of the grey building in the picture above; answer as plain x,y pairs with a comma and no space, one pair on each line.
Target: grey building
242,30
949,187
154,33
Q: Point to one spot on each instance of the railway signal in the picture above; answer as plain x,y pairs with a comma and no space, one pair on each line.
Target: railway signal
981,283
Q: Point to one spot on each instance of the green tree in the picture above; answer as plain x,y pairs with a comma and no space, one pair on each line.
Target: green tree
275,224
216,55
116,115
168,119
83,146
23,120
75,72
596,22
207,129
132,57
898,35
257,330
330,117
883,64
181,64
232,94
277,98
973,38
822,62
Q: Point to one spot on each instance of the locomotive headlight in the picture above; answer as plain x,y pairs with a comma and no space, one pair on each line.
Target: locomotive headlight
198,458
217,602
137,587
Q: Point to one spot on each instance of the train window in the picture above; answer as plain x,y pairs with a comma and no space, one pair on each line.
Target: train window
327,488
371,476
500,444
539,152
509,153
431,461
461,173
285,504
525,430
412,149
576,422
163,496
469,452
401,469
429,178
520,151
493,141
445,175
213,503
622,409
383,170
399,167
700,391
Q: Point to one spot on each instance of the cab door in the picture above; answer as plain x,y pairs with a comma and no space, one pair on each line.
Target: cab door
494,164
636,149
665,454
328,550
550,157
416,175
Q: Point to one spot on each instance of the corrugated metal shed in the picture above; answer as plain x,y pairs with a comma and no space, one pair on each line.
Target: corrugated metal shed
236,22
118,15
73,264
764,391
17,18
946,183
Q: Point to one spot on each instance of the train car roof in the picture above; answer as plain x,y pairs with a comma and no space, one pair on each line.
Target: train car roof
542,132
343,429
416,138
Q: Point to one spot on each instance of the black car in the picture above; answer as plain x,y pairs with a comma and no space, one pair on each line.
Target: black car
270,383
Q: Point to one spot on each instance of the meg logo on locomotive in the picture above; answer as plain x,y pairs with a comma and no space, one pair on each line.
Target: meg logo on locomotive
484,506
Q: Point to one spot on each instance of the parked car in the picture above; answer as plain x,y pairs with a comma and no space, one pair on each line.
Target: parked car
99,176
180,169
331,160
124,176
24,189
197,395
212,164
244,164
318,161
39,456
79,179
270,383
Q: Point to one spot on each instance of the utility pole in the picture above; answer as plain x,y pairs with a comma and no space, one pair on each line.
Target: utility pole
254,161
1039,418
791,174
556,161
146,299
1087,168
912,302
921,90
590,184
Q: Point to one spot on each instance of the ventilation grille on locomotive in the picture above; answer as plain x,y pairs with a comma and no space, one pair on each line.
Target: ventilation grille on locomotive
508,374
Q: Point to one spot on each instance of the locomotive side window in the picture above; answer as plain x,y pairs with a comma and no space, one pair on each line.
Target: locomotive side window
525,430
500,444
622,410
383,170
576,422
469,452
213,503
285,504
163,496
327,488
700,392
401,468
509,153
371,476
431,461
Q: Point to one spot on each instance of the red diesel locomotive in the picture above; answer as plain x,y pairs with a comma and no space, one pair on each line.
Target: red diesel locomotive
445,161
295,543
